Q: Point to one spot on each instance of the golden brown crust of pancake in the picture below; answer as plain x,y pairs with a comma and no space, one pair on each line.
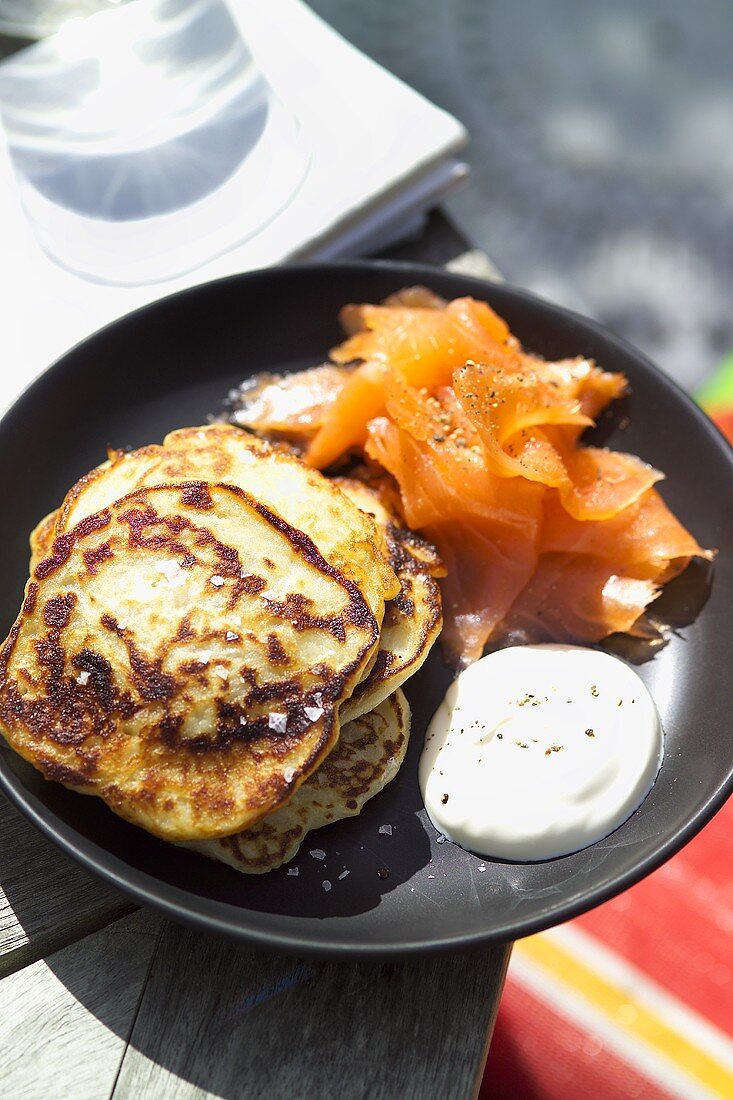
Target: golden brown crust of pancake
157,642
345,536
366,758
412,619
42,536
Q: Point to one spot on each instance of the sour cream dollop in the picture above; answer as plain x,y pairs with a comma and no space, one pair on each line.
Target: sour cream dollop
538,751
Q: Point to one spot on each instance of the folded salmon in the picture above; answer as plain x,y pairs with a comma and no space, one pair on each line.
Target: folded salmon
541,535
487,527
422,345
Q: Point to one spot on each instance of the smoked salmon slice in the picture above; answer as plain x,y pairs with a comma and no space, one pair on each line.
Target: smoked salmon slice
577,598
645,531
487,530
421,345
542,537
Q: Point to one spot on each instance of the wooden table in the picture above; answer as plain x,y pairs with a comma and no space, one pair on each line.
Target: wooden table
101,999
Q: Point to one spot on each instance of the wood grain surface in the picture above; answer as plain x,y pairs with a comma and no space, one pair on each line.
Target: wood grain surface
65,1020
218,1020
46,900
142,1007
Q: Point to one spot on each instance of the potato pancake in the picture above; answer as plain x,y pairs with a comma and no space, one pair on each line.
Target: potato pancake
345,536
183,654
366,758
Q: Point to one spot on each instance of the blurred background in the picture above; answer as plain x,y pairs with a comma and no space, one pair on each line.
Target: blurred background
601,146
601,150
601,176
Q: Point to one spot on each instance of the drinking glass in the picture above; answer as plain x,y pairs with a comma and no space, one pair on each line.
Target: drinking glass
145,140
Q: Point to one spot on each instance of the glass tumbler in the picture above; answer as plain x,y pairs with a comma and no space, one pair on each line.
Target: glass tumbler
145,140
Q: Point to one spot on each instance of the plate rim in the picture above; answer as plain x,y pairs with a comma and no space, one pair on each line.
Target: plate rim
211,915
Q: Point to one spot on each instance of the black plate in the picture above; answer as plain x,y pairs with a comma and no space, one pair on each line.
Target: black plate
170,364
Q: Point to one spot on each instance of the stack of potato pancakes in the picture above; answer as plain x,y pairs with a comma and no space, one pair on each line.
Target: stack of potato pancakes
213,640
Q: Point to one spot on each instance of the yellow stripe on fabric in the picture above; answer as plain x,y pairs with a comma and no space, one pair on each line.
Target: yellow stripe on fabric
627,1014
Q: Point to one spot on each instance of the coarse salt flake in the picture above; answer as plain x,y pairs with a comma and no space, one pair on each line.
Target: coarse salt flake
293,871
221,671
288,774
441,838
217,581
83,677
317,853
344,874
313,713
242,720
482,868
326,885
204,656
232,636
277,722
318,699
386,830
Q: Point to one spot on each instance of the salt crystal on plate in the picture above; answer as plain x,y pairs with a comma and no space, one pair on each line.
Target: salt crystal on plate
221,671
431,876
83,677
441,838
386,830
326,885
344,874
482,868
313,713
288,774
205,656
231,636
293,871
217,581
318,699
317,853
277,722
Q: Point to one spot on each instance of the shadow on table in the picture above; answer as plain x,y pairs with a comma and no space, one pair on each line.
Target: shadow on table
237,1022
